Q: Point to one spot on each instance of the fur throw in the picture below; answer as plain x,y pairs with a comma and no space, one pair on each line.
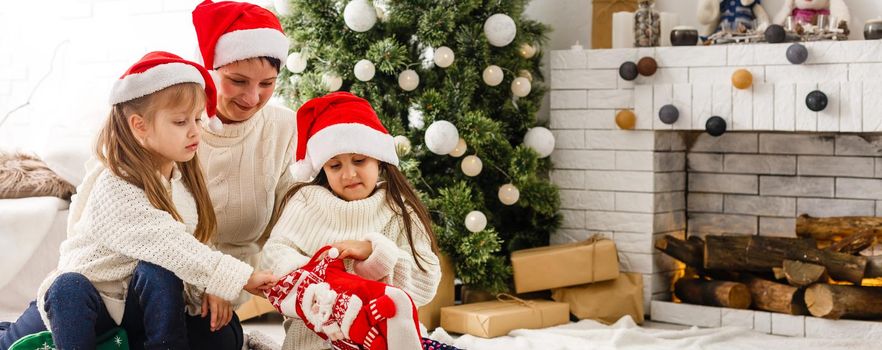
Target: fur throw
23,175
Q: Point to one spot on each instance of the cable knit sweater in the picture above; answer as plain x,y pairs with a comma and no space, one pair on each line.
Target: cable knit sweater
112,226
246,171
315,217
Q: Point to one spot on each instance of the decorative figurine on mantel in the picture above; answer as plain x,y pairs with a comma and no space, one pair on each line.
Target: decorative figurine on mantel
731,21
815,19
647,25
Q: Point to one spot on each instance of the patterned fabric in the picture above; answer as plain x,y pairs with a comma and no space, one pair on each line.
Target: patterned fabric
808,15
116,339
733,14
429,344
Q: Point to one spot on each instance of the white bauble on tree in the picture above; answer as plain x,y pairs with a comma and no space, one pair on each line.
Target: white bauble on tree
283,7
520,87
359,15
331,81
472,166
402,145
441,137
500,30
540,140
364,70
526,74
509,194
492,75
296,62
460,149
526,50
408,80
476,221
415,117
444,57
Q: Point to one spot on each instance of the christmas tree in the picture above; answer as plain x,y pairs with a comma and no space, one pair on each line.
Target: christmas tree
458,81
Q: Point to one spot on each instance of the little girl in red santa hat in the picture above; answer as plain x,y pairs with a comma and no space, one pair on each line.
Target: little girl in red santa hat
358,202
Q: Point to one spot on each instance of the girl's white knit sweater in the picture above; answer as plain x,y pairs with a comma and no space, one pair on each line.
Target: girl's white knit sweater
112,226
246,171
315,217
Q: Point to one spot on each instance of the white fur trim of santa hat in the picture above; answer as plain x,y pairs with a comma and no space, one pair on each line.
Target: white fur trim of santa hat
341,139
249,43
157,78
353,308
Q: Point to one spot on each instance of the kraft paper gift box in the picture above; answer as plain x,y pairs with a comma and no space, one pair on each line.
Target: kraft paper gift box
491,319
605,301
565,265
430,314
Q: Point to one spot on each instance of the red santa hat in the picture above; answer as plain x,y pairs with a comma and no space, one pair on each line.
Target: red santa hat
230,31
158,70
339,123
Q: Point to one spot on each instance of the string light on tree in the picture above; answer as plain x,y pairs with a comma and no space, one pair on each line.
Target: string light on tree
460,149
444,57
492,75
526,50
283,7
526,74
331,81
359,15
408,80
441,137
364,70
540,140
471,166
296,62
476,221
500,29
509,194
402,145
520,87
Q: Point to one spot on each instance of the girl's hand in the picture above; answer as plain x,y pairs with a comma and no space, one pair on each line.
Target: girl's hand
356,250
221,311
260,282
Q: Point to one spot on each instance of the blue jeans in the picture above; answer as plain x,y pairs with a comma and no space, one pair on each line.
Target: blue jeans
154,315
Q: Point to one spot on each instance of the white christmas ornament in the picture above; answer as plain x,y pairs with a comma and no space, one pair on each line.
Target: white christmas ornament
296,62
364,70
359,15
415,117
381,15
540,140
500,30
441,137
402,145
526,74
526,50
294,79
460,149
283,7
444,57
476,221
520,87
471,166
509,194
332,82
408,80
492,75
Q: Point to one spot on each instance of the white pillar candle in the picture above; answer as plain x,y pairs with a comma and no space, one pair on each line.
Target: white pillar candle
623,30
669,20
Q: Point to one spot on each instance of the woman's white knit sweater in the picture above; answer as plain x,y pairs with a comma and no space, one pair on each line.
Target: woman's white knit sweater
315,217
112,226
246,171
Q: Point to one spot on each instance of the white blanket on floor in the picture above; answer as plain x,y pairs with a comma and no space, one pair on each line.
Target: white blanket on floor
24,224
625,334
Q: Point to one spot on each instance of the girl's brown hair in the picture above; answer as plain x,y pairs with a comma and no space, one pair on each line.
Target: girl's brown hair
400,197
120,152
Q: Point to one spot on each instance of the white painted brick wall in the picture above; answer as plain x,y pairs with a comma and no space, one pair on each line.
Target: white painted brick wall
759,205
858,188
724,183
759,164
819,207
836,166
797,186
702,224
795,144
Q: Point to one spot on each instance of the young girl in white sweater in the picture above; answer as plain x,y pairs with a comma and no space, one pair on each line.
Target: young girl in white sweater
358,202
139,224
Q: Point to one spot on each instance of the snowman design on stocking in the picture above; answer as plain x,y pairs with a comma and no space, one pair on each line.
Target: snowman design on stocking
345,309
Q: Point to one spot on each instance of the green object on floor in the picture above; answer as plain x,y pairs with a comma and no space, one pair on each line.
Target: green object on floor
116,339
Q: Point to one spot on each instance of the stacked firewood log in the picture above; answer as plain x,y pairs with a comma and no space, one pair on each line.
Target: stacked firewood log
820,272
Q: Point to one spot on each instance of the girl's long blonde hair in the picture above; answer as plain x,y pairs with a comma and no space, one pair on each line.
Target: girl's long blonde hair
400,197
120,152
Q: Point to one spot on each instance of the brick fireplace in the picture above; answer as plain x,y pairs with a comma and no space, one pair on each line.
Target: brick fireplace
777,160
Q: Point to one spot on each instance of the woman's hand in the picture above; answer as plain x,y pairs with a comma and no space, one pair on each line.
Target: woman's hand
221,311
356,250
260,282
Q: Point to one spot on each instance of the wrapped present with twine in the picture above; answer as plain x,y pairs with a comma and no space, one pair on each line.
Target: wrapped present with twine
592,260
491,319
